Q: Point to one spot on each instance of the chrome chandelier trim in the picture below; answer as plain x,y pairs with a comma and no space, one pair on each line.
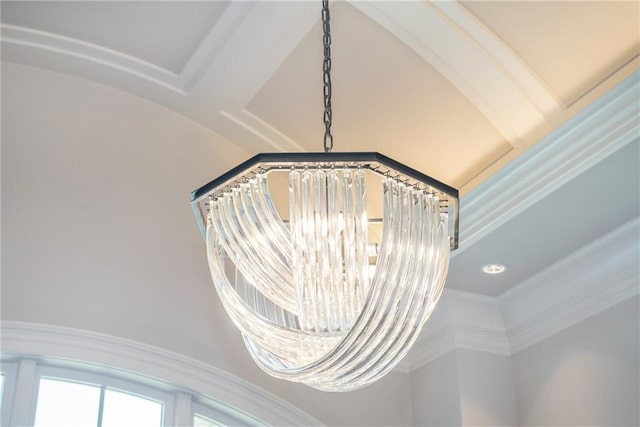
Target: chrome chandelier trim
303,292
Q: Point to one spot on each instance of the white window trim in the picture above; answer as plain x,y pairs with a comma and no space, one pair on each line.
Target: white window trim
153,366
221,414
110,382
10,371
22,380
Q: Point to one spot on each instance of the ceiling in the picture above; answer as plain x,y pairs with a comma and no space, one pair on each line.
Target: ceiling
455,89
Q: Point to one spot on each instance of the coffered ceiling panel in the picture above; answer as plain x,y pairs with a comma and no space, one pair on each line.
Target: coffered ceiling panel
386,98
165,34
571,45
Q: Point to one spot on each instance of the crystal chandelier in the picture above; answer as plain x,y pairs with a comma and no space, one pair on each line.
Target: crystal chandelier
331,291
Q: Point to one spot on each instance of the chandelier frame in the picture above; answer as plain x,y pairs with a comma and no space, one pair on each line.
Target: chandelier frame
371,161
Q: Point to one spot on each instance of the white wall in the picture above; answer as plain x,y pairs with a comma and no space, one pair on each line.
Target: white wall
587,374
436,393
97,228
384,403
486,389
98,233
464,387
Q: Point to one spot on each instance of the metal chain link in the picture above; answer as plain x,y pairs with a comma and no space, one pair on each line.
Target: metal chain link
326,69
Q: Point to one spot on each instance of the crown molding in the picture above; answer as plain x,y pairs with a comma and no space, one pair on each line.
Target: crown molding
473,59
598,131
513,66
462,320
487,340
220,34
120,354
431,345
54,50
281,27
582,306
436,343
598,276
266,133
57,46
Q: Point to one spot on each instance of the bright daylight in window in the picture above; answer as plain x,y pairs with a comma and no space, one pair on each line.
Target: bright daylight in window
200,421
1,386
71,404
65,397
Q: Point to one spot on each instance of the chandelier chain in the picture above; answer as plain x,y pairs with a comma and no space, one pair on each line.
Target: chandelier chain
326,69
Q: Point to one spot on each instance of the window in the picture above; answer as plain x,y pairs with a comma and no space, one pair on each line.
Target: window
7,375
1,386
209,413
52,396
64,403
201,421
121,409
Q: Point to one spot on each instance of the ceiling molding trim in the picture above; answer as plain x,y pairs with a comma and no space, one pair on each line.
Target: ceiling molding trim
436,343
487,340
219,35
476,322
462,320
596,277
67,344
586,304
446,39
13,35
522,75
429,347
180,83
247,66
279,29
263,130
598,131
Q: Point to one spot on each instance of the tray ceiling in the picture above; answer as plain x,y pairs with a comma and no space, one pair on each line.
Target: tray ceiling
571,46
477,83
386,97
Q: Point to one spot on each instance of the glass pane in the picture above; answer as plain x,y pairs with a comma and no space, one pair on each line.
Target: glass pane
1,388
123,409
68,404
200,421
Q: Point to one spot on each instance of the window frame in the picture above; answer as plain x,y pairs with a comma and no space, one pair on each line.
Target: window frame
23,373
10,370
210,409
104,381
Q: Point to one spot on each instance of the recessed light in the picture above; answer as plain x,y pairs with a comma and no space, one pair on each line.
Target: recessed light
494,268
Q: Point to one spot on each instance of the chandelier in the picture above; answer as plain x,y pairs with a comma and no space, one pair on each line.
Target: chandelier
331,291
